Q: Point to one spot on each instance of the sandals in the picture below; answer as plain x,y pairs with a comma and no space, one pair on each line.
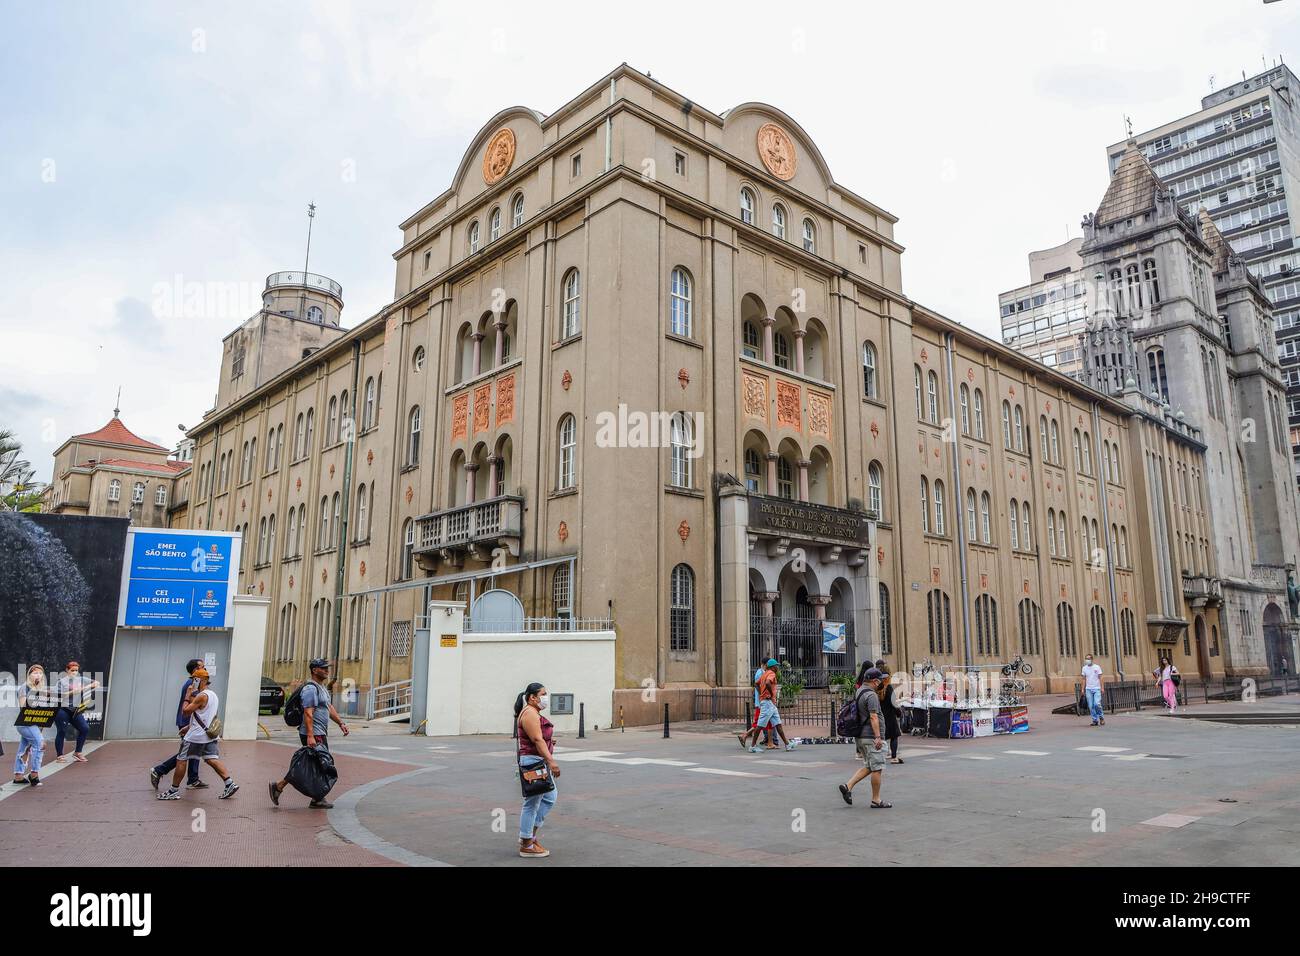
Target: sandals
79,757
895,759
847,794
880,805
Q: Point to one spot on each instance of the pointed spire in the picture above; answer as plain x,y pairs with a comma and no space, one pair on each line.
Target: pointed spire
1132,190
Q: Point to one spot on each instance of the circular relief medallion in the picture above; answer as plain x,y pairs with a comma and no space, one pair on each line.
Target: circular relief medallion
776,149
498,156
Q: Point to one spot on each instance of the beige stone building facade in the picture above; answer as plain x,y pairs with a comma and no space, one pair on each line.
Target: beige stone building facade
651,364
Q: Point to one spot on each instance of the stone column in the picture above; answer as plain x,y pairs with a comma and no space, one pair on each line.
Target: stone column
733,586
819,603
500,326
494,467
771,473
471,468
798,349
478,352
768,599
769,349
803,478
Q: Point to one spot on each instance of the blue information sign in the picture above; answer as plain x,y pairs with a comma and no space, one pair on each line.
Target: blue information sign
178,578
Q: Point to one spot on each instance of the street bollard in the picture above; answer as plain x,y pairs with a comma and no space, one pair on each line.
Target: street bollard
621,728
582,716
665,721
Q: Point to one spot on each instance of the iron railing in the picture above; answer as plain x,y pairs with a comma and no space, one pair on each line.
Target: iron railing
309,279
798,642
735,706
1120,696
489,520
530,625
389,700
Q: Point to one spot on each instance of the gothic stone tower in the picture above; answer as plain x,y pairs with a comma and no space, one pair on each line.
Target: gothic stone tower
1180,319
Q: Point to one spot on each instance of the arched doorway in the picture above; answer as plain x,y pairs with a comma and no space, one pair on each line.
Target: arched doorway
1202,653
1276,646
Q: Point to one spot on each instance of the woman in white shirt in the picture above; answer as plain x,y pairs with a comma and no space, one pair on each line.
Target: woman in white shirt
1165,676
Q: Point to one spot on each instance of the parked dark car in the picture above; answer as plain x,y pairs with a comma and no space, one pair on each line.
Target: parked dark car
271,700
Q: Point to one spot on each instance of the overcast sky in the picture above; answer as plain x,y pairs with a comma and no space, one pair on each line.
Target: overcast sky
181,143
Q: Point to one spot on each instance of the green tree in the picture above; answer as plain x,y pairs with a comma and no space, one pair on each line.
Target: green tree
19,489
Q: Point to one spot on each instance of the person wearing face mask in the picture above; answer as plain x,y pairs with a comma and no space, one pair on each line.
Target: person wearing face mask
533,746
75,694
1092,690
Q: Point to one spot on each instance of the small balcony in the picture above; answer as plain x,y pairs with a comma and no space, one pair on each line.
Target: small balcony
309,279
475,529
1201,590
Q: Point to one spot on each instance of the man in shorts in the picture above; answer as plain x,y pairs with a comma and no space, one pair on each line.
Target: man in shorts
871,744
768,716
197,744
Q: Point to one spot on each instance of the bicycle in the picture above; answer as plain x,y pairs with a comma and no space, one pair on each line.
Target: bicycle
1019,664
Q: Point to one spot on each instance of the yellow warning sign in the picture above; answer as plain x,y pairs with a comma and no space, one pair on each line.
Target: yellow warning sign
448,640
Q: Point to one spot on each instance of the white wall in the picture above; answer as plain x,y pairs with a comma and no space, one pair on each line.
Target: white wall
244,682
475,678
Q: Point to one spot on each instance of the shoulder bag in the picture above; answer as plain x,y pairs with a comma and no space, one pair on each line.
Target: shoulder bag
213,730
534,780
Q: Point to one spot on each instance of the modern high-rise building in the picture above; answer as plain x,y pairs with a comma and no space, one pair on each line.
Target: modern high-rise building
1045,318
1239,158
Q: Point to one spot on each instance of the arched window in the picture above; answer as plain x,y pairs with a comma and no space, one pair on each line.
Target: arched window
1026,526
916,382
270,542
311,432
1096,537
1151,281
1065,630
1156,374
368,405
261,541
1114,542
1020,429
292,536
562,593
681,610
875,490
1056,443
1042,438
750,345
964,398
986,625
979,414
972,534
1014,516
940,522
1123,546
932,392
299,435
809,236
1105,460
1087,454
680,445
986,518
1114,464
572,304
868,370
494,225
784,479
886,624
1006,424
680,303
753,471
925,505
1133,288
1100,639
331,422
1078,459
1031,627
938,610
1051,532
1062,535
1116,292
363,514
408,549
323,524
137,493
316,314
747,206
334,508
517,212
473,237
417,360
244,465
781,346
413,438
567,477
778,220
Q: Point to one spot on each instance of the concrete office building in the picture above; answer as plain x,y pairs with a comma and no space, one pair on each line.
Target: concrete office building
652,364
1044,319
1239,158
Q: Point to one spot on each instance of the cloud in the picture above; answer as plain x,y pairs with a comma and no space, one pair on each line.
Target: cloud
135,323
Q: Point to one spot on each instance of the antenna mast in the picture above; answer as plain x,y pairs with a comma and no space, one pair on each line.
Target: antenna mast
302,299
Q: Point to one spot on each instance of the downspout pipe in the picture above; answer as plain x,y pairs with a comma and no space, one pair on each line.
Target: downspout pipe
958,513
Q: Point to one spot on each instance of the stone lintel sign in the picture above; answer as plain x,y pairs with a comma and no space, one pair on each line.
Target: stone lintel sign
802,519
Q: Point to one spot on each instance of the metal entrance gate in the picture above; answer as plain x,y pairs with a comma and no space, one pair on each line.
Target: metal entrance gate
148,670
798,641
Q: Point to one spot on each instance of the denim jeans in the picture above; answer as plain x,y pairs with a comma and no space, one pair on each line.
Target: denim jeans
535,808
1094,704
62,718
29,748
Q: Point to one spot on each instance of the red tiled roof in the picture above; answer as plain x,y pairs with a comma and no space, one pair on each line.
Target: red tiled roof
118,434
157,468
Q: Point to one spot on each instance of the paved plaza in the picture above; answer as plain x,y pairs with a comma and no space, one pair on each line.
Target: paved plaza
1144,790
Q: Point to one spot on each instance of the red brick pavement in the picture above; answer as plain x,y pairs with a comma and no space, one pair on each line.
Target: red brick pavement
103,813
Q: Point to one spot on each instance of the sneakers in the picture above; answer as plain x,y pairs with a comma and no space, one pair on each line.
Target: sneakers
34,780
321,805
229,791
196,785
275,794
791,745
154,777
753,750
532,850
169,794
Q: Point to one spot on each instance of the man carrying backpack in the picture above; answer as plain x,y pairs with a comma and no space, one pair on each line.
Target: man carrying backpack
317,712
871,744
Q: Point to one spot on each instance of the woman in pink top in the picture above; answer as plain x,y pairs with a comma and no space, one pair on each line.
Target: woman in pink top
1165,675
533,742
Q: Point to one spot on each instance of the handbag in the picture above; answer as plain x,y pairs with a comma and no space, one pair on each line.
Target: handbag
1176,677
536,779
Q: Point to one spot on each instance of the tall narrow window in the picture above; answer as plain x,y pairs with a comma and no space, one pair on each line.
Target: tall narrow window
1026,525
572,304
1006,424
1152,281
964,398
986,518
781,347
680,302
368,405
940,522
869,370
1087,454
323,525
681,611
562,593
971,532
916,382
1020,429
753,472
1014,513
809,236
1051,532
932,390
137,493
517,212
886,623
408,550
784,479
1056,443
875,490
413,439
568,453
473,237
680,442
331,422
494,225
778,221
750,346
925,505
747,206
979,414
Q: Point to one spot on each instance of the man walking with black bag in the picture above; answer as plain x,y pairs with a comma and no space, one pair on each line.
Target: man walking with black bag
317,712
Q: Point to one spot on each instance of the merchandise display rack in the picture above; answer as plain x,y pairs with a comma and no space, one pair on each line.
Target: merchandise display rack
957,701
